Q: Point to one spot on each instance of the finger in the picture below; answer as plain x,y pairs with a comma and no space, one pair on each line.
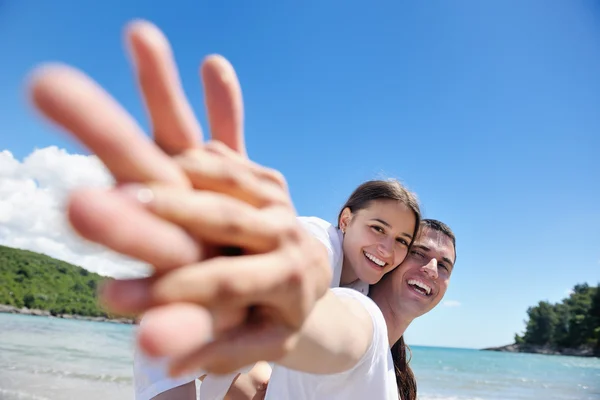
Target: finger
234,177
242,347
228,282
224,103
264,173
213,217
110,220
121,295
76,103
174,124
173,329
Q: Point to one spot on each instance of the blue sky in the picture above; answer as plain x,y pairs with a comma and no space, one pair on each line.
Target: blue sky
488,110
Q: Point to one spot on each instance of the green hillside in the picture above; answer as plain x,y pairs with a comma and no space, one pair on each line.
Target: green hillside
570,324
33,280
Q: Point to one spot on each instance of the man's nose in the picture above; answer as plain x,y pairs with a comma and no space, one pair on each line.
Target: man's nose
431,268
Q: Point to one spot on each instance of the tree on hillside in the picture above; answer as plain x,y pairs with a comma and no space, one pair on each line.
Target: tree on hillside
593,320
572,323
541,324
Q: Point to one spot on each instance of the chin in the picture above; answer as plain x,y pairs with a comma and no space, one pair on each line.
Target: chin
371,278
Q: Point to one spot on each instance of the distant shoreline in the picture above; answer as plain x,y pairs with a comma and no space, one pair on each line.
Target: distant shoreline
548,350
6,309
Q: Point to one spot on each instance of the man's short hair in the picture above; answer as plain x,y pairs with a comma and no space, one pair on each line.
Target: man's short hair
440,227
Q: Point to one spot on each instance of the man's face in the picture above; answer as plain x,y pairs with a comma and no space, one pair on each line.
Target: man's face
420,282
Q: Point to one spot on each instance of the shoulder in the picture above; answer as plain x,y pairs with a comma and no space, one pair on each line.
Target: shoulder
316,224
361,300
372,313
330,237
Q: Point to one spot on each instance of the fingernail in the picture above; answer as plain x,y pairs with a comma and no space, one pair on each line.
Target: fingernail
135,191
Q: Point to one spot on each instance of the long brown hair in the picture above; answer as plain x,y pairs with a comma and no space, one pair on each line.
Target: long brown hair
405,379
390,189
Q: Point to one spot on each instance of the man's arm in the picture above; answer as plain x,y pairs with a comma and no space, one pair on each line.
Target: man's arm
334,338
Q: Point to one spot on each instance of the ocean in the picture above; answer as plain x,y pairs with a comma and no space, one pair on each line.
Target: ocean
54,359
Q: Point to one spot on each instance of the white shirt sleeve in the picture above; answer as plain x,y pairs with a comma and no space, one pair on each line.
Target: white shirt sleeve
372,377
151,378
331,238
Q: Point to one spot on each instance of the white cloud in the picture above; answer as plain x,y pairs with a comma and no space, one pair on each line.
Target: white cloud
32,217
451,303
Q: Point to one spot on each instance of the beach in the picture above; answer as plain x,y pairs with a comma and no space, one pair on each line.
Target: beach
45,358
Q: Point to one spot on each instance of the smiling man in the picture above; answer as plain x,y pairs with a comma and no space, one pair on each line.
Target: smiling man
425,272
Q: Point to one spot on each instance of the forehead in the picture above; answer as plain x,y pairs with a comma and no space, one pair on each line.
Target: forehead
437,242
384,207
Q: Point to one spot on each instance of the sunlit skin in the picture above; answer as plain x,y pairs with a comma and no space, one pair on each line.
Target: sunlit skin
430,262
376,240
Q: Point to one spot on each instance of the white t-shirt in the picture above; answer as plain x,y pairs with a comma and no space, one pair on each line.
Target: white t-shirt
332,238
150,375
372,377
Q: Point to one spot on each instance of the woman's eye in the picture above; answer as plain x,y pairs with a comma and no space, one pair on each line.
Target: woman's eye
402,241
377,229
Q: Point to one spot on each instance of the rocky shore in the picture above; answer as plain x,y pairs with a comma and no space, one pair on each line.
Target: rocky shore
525,348
44,313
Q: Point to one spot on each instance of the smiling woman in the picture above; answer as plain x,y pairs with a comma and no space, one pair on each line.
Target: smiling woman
376,226
379,222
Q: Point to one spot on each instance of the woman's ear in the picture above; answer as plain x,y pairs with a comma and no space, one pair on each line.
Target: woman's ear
345,219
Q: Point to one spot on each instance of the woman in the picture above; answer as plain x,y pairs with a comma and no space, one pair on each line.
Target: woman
376,226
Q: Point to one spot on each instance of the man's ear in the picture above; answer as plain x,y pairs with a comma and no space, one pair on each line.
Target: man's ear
345,219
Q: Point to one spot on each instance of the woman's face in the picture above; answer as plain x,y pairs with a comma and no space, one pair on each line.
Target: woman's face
376,238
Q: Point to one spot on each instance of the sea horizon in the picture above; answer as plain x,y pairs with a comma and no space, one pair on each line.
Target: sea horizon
49,358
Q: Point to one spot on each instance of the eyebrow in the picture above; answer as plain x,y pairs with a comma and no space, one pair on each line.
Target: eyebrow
408,235
445,259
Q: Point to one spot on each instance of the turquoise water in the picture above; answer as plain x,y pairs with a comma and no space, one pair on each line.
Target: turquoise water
47,358
444,373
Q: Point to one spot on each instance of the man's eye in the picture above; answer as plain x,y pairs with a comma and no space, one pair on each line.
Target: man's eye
417,254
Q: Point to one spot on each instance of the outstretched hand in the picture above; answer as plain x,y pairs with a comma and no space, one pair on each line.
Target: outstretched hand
201,308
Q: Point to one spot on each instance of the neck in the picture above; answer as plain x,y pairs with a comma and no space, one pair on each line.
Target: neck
348,275
395,321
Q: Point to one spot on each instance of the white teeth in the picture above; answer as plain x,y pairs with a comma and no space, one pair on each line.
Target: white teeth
420,284
374,259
